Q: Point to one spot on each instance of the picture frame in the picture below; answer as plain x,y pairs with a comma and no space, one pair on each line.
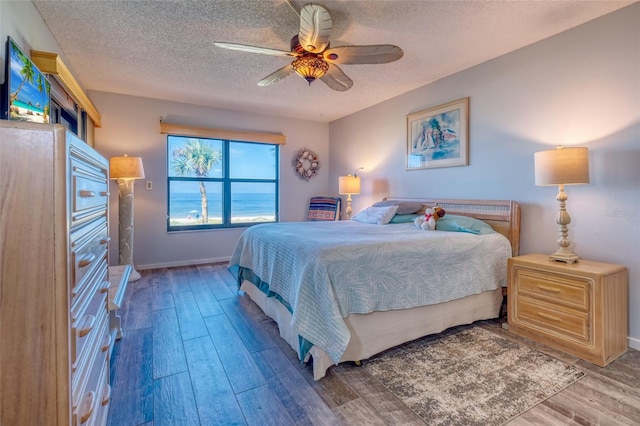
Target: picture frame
439,136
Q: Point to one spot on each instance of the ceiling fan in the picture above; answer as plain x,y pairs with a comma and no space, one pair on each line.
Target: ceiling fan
314,58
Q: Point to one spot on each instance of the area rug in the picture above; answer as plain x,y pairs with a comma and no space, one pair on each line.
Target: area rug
472,377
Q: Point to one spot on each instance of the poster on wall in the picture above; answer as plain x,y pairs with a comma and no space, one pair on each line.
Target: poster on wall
439,136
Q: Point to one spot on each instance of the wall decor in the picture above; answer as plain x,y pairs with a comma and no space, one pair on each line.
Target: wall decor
439,136
306,164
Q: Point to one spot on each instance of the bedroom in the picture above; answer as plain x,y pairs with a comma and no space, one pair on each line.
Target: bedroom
521,103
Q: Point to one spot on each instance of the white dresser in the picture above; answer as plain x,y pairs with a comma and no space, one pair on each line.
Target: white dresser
54,320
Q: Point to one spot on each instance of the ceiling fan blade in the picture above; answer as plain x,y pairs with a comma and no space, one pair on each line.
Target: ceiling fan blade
315,26
276,76
336,79
254,49
292,6
372,54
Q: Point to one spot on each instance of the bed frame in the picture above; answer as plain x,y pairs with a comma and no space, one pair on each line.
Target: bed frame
502,215
375,332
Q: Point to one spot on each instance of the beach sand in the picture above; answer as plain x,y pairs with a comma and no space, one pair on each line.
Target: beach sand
218,220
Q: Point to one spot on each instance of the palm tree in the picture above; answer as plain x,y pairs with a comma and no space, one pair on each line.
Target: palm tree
196,158
27,73
43,87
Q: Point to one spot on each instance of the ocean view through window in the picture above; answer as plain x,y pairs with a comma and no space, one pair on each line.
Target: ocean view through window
216,183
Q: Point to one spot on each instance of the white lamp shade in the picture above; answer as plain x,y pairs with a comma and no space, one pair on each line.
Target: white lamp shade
126,168
562,166
349,184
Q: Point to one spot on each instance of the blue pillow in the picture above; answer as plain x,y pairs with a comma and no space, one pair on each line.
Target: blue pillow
404,218
455,223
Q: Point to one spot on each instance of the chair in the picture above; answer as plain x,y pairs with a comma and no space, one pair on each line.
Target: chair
324,208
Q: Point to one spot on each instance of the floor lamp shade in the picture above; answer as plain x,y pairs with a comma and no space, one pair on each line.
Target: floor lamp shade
562,166
349,185
126,170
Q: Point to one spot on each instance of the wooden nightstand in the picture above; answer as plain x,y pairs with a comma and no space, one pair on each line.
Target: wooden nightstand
578,308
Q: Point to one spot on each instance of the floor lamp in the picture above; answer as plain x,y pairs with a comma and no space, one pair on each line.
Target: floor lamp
349,185
562,166
126,170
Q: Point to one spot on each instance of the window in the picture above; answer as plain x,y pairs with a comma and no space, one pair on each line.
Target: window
217,183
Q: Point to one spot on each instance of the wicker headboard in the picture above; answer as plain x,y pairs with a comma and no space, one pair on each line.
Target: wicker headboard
502,215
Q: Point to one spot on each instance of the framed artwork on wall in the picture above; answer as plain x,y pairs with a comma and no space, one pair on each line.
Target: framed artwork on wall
439,136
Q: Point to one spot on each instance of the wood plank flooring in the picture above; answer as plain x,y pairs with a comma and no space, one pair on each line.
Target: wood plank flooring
195,352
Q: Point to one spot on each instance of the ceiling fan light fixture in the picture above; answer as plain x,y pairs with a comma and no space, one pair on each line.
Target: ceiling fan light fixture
310,67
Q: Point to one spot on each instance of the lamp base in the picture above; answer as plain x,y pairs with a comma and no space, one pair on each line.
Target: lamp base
565,256
348,211
134,276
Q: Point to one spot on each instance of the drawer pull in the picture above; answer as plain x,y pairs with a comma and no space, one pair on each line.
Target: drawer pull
85,193
87,406
107,394
86,259
549,317
549,289
104,193
105,287
106,343
87,325
105,240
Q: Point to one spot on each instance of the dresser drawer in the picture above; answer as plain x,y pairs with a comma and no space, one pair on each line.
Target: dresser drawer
96,281
553,320
570,291
88,402
88,329
104,401
89,187
88,248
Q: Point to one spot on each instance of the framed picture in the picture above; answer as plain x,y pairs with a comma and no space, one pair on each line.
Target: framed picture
439,136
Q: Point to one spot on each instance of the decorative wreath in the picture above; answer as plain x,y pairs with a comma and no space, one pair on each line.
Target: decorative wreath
306,164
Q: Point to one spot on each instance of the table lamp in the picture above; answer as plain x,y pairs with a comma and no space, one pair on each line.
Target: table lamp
126,170
349,185
562,166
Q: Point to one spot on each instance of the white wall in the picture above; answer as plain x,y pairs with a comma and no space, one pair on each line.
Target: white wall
21,21
581,87
131,125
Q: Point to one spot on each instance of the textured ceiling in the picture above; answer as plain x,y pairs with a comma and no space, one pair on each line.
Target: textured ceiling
164,49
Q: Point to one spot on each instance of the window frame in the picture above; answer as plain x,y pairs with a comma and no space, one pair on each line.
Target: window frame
226,182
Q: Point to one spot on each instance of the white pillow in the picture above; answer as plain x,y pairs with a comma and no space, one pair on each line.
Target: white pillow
376,215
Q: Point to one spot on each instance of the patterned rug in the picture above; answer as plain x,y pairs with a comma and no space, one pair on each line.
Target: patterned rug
472,377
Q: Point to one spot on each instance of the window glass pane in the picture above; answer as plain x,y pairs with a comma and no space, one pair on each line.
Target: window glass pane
252,160
189,207
253,202
192,157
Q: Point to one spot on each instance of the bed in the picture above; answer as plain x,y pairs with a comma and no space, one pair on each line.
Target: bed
345,291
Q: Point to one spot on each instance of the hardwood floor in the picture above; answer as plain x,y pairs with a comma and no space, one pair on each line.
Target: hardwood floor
194,352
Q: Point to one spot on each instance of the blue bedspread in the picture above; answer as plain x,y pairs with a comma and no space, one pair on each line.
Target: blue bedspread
325,271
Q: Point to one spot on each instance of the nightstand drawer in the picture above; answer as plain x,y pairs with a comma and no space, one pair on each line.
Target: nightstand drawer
553,320
569,291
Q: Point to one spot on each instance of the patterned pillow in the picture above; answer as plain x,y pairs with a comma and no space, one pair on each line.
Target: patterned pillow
376,215
324,208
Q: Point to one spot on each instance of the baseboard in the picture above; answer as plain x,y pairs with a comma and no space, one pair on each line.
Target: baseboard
634,343
190,262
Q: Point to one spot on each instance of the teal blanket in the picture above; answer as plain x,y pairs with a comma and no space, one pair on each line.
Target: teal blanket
324,271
